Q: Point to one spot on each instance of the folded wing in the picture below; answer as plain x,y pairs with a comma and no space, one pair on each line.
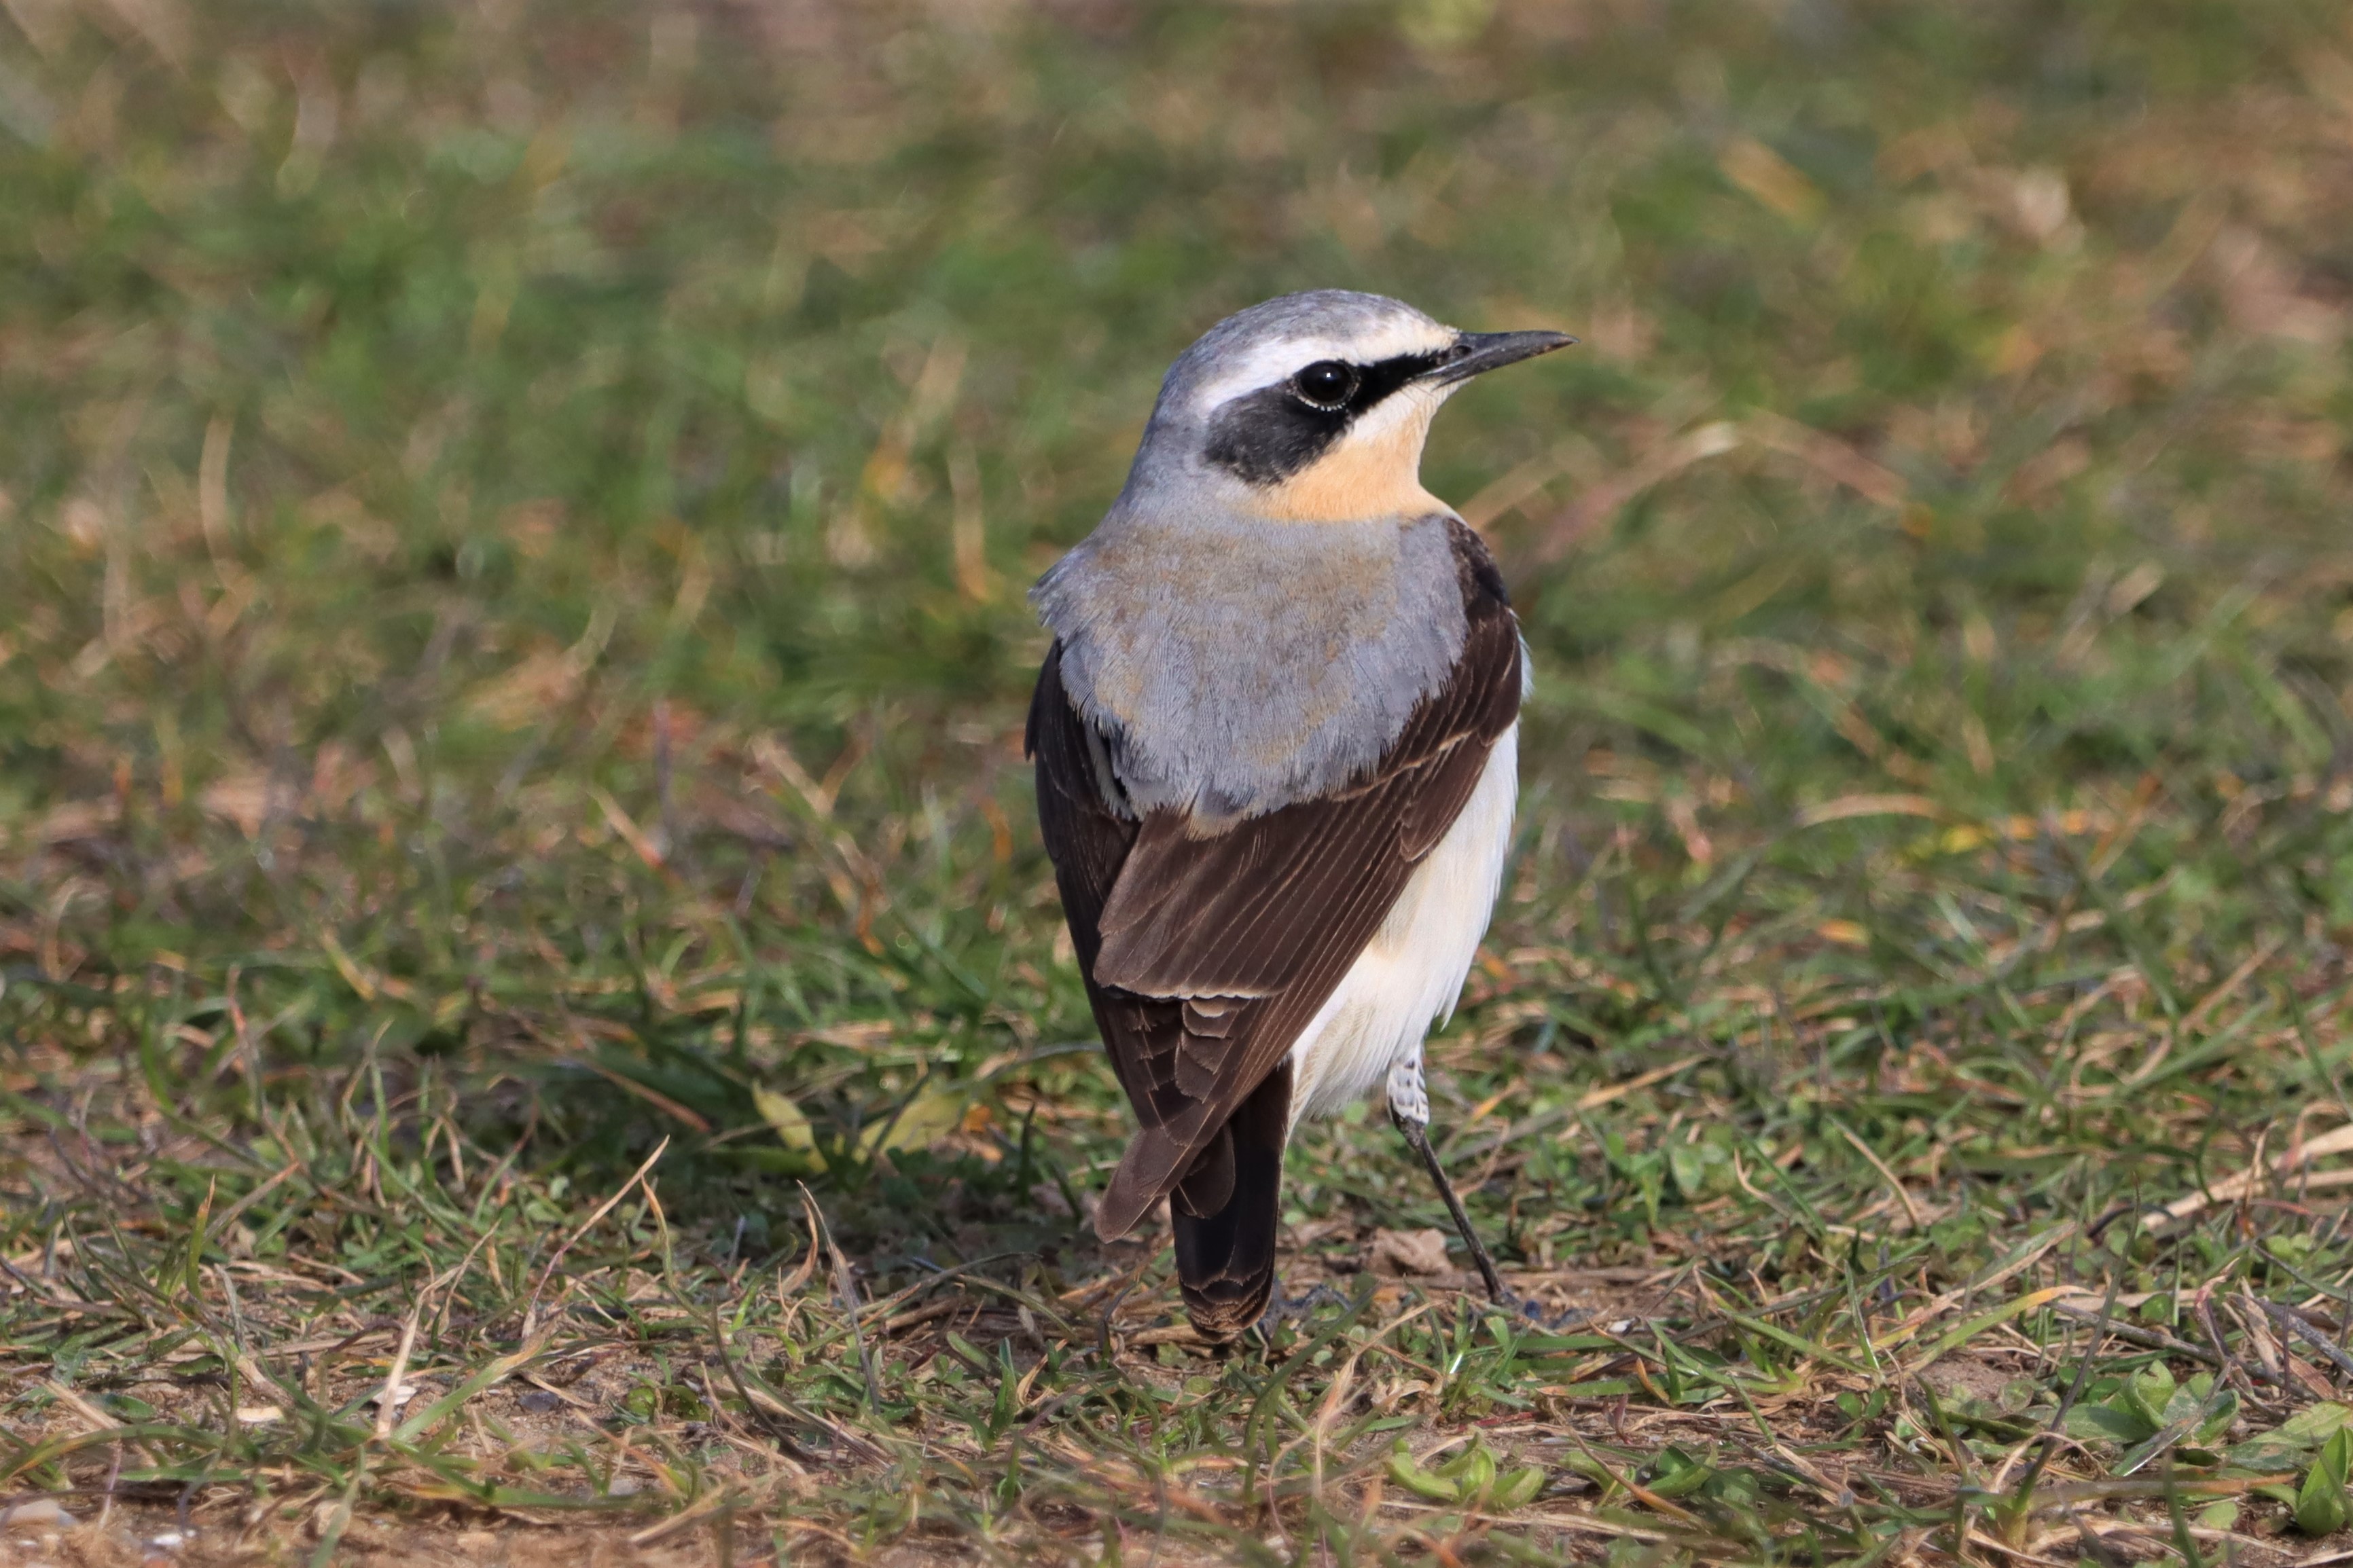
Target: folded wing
1207,951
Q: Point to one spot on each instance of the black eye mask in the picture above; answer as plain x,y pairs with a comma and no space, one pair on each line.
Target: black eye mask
1267,436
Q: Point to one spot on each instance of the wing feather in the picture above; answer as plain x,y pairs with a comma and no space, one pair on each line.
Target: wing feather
1207,951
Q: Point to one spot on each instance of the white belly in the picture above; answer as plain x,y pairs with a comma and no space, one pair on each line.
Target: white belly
1410,973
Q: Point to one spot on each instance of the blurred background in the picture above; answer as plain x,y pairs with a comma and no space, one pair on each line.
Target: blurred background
514,519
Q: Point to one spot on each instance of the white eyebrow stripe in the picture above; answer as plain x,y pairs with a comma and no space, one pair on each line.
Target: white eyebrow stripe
1269,362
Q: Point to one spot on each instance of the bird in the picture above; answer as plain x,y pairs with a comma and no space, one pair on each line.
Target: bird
1275,740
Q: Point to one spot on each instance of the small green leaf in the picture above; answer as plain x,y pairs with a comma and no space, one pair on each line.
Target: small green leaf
1675,1473
2286,1444
2220,1414
2320,1503
1518,1490
1687,1163
2265,1453
1473,1471
2188,1401
1419,1481
792,1127
2336,1456
2312,1426
2148,1395
929,1118
2109,1423
1007,1408
1592,1468
2140,1454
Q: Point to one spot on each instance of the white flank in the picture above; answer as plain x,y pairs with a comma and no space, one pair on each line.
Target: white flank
1410,973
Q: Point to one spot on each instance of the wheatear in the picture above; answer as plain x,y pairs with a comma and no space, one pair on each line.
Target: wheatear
1276,740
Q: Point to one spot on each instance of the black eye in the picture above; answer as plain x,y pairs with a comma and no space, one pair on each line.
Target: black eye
1326,384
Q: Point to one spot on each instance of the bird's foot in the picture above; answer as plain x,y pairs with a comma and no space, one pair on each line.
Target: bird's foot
1282,1309
1525,1310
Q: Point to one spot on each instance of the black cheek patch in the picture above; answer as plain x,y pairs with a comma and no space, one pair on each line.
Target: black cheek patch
1269,435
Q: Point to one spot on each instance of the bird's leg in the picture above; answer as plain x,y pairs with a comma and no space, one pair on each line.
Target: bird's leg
1420,1144
1409,1109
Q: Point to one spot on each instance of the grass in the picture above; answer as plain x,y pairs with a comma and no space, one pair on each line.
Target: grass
516,876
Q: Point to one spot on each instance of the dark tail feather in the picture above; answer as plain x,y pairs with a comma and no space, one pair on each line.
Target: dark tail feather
1226,1210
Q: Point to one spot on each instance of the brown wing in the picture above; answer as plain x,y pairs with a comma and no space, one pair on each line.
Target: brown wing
1207,955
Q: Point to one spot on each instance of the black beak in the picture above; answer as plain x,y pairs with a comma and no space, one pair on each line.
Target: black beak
1474,353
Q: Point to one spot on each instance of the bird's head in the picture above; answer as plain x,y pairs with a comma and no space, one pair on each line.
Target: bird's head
1313,407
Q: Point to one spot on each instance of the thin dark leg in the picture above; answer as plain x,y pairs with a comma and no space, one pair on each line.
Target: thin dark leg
1419,1143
